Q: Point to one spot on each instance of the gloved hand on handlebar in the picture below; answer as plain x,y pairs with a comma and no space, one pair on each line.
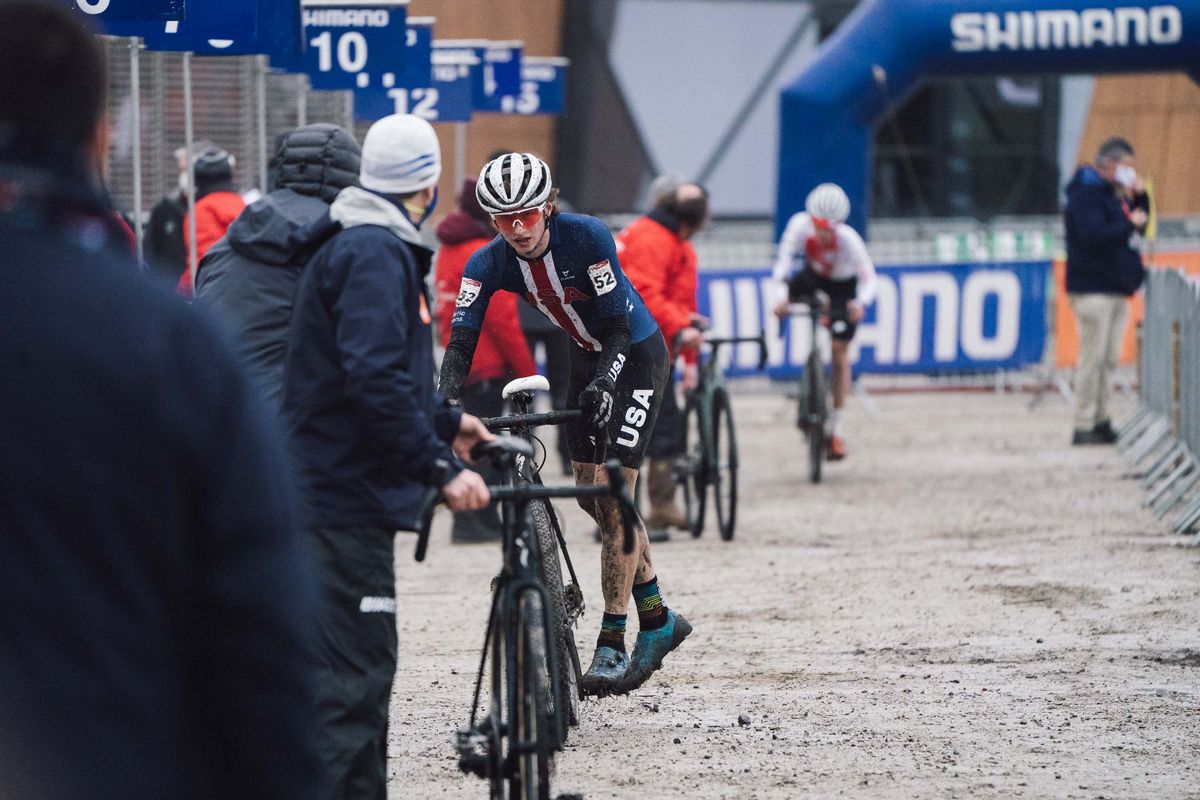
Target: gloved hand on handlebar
596,403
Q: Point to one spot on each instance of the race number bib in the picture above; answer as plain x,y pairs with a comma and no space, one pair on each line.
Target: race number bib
602,277
467,292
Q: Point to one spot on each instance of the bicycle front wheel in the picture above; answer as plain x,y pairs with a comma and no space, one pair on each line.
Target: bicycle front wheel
693,473
566,695
724,469
816,413
531,715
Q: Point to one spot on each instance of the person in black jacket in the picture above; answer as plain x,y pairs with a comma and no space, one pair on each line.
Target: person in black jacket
249,277
154,598
368,431
1105,216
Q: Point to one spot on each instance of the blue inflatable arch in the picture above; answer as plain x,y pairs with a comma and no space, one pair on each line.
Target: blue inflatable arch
882,51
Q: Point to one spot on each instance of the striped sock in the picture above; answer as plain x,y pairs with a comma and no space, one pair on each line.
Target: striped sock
612,632
652,614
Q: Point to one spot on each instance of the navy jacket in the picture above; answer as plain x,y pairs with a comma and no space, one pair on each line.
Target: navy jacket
1101,257
365,424
154,598
249,277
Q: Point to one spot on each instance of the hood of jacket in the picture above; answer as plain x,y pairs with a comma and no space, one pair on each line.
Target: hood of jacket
267,230
1087,179
318,161
355,206
461,227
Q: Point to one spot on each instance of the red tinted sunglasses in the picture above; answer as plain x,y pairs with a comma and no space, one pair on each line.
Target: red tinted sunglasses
823,224
527,217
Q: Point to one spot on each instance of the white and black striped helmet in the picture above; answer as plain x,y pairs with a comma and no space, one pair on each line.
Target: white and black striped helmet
828,202
513,182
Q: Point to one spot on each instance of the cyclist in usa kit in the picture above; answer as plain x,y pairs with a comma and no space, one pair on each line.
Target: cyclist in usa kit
566,266
832,259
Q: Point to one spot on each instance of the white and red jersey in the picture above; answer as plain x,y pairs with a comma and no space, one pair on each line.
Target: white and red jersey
844,260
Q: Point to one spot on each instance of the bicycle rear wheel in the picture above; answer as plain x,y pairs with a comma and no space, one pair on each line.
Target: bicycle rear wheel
566,695
724,469
694,470
815,412
531,715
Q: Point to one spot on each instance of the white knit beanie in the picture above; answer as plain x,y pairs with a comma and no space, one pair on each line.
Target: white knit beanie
400,155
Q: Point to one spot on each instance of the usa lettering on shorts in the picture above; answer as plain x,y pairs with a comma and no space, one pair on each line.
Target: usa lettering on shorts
635,417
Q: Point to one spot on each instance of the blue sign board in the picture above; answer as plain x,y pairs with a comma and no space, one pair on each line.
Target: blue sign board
107,12
447,98
925,319
499,73
352,45
224,27
543,88
418,54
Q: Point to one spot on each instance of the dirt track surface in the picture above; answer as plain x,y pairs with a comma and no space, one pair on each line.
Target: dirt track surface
967,607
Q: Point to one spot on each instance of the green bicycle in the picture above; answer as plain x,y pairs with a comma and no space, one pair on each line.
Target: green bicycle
710,442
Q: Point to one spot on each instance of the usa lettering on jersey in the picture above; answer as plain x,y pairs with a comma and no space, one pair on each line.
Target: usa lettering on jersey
602,277
467,292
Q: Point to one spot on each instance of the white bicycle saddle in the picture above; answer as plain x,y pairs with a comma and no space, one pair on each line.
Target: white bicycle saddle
534,383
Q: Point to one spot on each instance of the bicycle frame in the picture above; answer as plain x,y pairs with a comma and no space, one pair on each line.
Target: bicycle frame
502,744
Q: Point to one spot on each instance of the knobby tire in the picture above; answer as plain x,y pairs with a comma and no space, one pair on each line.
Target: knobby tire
724,468
567,696
531,714
695,480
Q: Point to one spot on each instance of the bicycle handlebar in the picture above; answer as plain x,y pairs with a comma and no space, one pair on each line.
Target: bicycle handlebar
507,447
531,420
760,340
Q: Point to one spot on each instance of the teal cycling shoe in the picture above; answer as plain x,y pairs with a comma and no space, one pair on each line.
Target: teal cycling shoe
605,674
651,648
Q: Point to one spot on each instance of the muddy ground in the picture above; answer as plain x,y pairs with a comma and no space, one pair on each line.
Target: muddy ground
967,607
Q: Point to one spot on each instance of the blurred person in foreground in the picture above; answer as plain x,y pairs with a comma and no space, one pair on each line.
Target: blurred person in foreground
833,259
249,277
660,262
154,602
367,430
218,204
502,353
1105,217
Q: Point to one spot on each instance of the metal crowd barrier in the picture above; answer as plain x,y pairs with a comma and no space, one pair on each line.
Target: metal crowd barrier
1163,436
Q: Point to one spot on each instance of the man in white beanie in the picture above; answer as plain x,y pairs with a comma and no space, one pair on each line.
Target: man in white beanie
368,431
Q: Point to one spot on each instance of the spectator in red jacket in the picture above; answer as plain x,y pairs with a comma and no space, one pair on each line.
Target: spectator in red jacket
218,204
502,353
661,263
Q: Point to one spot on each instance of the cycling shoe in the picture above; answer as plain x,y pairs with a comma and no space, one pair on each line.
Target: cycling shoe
651,648
606,672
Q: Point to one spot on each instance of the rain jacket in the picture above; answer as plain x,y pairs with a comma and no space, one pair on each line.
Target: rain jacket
662,267
1102,243
365,424
249,278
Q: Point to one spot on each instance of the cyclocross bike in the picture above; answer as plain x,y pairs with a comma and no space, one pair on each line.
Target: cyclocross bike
710,443
812,410
512,745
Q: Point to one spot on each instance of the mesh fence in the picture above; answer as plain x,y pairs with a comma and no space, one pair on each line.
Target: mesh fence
225,94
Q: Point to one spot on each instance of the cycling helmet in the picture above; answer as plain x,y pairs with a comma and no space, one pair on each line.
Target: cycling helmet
828,202
513,182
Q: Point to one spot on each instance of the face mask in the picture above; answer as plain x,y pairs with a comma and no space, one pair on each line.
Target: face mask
1125,176
417,214
183,181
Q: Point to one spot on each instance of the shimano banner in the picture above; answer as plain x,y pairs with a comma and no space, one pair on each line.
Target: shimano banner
925,319
882,51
